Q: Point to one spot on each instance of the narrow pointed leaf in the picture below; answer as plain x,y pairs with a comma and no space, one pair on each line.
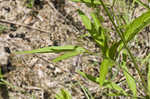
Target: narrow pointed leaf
143,4
106,63
112,85
131,82
136,26
113,50
90,77
86,21
63,95
86,92
96,2
52,49
96,21
75,52
148,76
66,56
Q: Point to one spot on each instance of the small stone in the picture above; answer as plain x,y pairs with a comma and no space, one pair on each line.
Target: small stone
51,66
40,73
57,71
11,35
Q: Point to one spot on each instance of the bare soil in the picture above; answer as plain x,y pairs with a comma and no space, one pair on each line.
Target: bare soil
48,23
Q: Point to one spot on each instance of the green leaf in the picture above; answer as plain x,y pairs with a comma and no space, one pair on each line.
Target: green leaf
90,77
146,60
113,50
66,56
142,3
112,85
106,63
86,21
96,31
86,92
136,26
96,2
69,49
76,51
96,20
131,82
30,3
2,28
100,38
115,94
63,95
107,84
148,75
52,49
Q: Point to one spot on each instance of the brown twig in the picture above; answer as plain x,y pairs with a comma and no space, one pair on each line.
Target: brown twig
27,26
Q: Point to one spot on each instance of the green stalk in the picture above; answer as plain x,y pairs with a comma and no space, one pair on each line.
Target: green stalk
125,45
143,4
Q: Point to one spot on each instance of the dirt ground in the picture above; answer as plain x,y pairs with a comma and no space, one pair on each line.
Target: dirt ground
49,23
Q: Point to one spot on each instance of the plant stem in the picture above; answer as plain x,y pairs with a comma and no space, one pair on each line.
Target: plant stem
125,45
143,4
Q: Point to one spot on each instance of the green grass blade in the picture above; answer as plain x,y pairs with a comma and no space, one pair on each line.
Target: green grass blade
76,51
131,82
107,84
97,32
146,60
136,26
106,63
148,76
86,21
71,51
96,21
114,94
86,92
66,56
143,4
128,95
112,85
59,96
52,49
113,50
88,1
89,77
63,95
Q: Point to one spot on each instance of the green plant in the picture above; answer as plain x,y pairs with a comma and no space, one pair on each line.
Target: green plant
4,82
68,50
63,95
30,3
2,28
86,92
111,50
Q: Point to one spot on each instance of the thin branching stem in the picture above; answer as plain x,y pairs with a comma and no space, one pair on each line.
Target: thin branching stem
125,45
